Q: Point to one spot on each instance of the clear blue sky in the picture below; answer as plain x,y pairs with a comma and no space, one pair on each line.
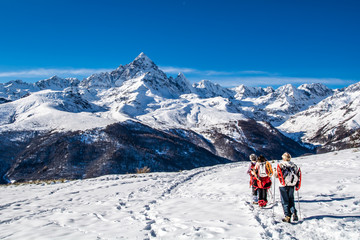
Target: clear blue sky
258,43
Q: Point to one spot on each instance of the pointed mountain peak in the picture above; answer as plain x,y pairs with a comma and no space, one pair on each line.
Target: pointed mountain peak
181,75
143,63
286,88
142,59
181,78
269,90
289,85
55,77
142,56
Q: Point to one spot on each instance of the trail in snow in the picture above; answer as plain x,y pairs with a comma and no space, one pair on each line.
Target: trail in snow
204,203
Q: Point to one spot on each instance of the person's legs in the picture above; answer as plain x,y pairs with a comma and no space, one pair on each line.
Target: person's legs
255,194
265,195
291,200
262,197
292,208
260,194
267,186
285,200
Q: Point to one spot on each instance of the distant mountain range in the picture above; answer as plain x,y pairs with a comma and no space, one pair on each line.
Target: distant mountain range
136,116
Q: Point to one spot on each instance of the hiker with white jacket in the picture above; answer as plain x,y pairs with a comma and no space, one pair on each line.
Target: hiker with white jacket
290,179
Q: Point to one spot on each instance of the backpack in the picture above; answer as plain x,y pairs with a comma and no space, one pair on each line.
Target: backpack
290,174
262,172
265,169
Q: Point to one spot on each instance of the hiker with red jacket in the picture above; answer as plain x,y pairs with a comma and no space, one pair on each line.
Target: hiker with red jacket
290,179
253,182
263,172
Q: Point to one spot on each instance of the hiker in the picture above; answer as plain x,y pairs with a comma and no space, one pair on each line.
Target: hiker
263,172
290,178
253,182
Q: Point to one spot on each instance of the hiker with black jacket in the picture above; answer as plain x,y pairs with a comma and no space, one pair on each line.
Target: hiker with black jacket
290,179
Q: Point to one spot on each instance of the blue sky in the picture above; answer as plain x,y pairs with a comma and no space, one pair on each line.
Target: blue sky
256,43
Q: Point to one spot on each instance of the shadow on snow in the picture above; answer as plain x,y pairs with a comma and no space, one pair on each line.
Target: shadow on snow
326,200
319,217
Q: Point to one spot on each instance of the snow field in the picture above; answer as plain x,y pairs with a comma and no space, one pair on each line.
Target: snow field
204,203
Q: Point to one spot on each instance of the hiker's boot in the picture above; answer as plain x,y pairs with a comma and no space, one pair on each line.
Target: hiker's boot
295,217
262,203
286,219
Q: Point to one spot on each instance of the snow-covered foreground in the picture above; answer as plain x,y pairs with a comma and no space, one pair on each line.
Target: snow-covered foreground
204,203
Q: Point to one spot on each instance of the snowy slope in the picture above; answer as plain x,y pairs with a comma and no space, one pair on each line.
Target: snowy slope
51,110
204,203
192,112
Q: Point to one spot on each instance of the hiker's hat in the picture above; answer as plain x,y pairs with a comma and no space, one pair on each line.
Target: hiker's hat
286,156
253,157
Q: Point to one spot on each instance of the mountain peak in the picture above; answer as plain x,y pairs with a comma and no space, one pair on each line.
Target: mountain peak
181,76
57,83
142,55
142,64
286,89
54,77
317,89
143,60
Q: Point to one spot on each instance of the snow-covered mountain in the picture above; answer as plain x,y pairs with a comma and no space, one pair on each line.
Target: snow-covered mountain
51,110
243,92
138,89
228,123
57,83
208,89
17,89
277,106
332,124
144,73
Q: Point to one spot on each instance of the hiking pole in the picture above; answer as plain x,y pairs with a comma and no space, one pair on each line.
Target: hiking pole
274,195
299,203
270,193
